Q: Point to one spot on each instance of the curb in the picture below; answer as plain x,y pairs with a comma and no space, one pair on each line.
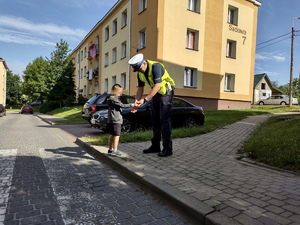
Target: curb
188,207
45,120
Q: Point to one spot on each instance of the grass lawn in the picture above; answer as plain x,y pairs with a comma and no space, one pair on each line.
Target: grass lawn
276,143
71,114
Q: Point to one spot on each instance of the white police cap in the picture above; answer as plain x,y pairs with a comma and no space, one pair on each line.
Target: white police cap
136,61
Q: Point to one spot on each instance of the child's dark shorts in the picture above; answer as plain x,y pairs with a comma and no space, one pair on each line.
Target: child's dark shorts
114,129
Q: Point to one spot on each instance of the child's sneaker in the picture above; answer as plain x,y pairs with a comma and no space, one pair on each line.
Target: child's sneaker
109,152
117,153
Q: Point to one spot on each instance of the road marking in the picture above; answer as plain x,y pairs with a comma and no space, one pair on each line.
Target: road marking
89,210
7,164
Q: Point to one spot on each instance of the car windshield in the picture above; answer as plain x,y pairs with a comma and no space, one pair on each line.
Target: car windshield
102,99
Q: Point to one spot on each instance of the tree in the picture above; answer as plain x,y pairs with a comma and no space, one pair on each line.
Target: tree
60,83
13,91
34,85
295,88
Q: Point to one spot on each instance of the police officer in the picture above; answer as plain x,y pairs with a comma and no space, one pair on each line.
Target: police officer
162,91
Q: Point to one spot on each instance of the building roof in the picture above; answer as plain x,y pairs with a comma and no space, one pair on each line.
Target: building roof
2,60
259,77
255,2
96,26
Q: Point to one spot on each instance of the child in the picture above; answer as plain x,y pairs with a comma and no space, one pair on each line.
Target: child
115,119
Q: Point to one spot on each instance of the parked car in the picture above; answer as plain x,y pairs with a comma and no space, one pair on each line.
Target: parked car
184,114
99,102
36,103
2,110
26,109
278,100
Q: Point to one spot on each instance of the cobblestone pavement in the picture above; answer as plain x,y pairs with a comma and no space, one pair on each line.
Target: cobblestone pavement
205,168
47,179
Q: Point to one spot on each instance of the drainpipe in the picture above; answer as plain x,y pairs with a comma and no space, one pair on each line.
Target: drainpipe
129,44
78,88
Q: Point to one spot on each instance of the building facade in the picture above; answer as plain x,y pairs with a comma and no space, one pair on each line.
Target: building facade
3,75
207,46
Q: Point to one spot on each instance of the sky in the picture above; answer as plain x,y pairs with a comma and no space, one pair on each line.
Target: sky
31,28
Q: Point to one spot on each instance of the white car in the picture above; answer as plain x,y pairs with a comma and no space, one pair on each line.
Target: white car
277,100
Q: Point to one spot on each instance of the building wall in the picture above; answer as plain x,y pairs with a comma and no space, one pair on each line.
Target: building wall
243,65
3,74
166,24
115,42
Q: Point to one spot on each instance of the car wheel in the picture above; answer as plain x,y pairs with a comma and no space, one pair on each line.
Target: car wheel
261,103
283,103
127,125
190,122
140,127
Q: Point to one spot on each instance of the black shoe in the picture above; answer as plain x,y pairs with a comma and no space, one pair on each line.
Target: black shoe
165,153
151,150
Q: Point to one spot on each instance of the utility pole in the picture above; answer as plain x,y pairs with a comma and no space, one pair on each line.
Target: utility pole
291,68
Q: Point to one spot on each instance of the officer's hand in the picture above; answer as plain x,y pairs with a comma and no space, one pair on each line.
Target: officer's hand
140,102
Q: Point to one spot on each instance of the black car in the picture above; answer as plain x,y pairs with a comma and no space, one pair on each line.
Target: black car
2,110
99,102
184,114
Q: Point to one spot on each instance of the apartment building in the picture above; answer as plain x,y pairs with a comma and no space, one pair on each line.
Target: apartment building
3,71
207,46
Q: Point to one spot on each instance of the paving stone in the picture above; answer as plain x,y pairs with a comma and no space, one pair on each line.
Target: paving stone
244,219
230,212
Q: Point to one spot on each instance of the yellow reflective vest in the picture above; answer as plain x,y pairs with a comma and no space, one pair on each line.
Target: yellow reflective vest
165,78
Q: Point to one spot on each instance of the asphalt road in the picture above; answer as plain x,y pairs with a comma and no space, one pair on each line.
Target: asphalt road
45,178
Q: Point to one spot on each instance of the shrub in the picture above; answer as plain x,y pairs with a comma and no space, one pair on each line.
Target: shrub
48,106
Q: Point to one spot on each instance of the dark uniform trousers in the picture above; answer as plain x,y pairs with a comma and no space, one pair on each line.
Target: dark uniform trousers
161,113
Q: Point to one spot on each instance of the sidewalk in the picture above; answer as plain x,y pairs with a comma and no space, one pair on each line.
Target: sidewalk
204,180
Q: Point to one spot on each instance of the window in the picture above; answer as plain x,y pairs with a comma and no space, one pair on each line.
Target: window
264,94
229,82
124,18
96,87
190,77
114,55
78,57
90,89
85,52
142,39
106,85
106,33
115,27
106,59
97,64
84,73
263,86
233,15
123,80
123,50
84,90
194,5
114,80
142,5
81,55
97,44
231,49
81,73
192,37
